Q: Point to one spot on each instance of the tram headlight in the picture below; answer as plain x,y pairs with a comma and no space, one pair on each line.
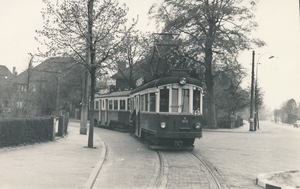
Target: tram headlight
163,125
182,80
197,125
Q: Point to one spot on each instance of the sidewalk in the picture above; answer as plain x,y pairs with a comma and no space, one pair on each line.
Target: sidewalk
64,163
242,129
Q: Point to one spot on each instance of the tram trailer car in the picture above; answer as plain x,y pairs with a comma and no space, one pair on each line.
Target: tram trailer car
112,111
166,113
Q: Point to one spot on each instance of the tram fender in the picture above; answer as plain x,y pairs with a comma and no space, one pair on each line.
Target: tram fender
178,134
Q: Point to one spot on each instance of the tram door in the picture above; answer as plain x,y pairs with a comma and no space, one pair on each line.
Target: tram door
137,106
106,111
100,111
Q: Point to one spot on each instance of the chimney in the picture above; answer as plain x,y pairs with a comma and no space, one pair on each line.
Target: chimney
14,71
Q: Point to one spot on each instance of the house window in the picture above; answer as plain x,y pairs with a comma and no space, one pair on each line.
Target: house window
33,88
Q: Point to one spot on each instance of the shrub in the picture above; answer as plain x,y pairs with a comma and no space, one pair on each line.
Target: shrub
24,131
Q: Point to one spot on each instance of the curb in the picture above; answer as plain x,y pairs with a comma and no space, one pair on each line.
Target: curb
233,131
89,184
265,183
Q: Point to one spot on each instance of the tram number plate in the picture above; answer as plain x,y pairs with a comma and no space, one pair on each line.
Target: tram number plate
185,121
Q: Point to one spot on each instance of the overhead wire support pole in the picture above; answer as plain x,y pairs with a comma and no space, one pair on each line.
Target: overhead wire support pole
252,93
256,101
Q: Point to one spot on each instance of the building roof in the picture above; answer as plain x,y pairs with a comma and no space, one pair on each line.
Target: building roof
140,69
114,94
55,65
4,71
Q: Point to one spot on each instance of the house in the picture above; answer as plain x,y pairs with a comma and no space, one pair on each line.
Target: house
140,74
5,74
53,85
5,82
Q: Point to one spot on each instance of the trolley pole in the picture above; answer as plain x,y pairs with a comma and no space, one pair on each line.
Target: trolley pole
252,93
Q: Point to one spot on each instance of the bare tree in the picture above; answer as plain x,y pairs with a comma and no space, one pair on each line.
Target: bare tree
88,31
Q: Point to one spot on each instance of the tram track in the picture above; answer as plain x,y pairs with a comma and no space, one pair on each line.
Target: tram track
161,172
168,168
206,165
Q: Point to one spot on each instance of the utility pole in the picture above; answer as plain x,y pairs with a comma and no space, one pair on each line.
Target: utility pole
26,104
252,93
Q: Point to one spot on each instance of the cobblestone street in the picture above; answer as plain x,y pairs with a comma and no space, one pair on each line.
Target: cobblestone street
240,156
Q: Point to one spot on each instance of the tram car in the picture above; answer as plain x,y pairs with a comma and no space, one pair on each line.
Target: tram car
166,112
112,110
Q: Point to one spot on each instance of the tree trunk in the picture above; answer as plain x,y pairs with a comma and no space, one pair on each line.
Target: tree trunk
212,122
91,129
84,105
92,70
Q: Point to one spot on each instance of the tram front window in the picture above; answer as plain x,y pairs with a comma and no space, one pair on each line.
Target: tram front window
185,100
174,100
164,100
196,101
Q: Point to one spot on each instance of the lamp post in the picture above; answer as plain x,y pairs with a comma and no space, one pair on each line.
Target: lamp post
256,120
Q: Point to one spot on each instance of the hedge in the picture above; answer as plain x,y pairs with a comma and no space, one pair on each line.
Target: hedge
25,131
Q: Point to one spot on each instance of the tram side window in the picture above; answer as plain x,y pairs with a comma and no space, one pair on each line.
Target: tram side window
142,103
97,105
122,104
110,104
128,104
174,100
116,104
132,104
185,100
152,102
196,100
146,102
164,100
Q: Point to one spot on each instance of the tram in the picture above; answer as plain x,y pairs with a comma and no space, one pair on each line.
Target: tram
165,112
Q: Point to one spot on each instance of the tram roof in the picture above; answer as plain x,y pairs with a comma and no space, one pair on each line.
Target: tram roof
166,80
115,94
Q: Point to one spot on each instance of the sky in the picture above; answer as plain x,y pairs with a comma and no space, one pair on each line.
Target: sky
278,22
